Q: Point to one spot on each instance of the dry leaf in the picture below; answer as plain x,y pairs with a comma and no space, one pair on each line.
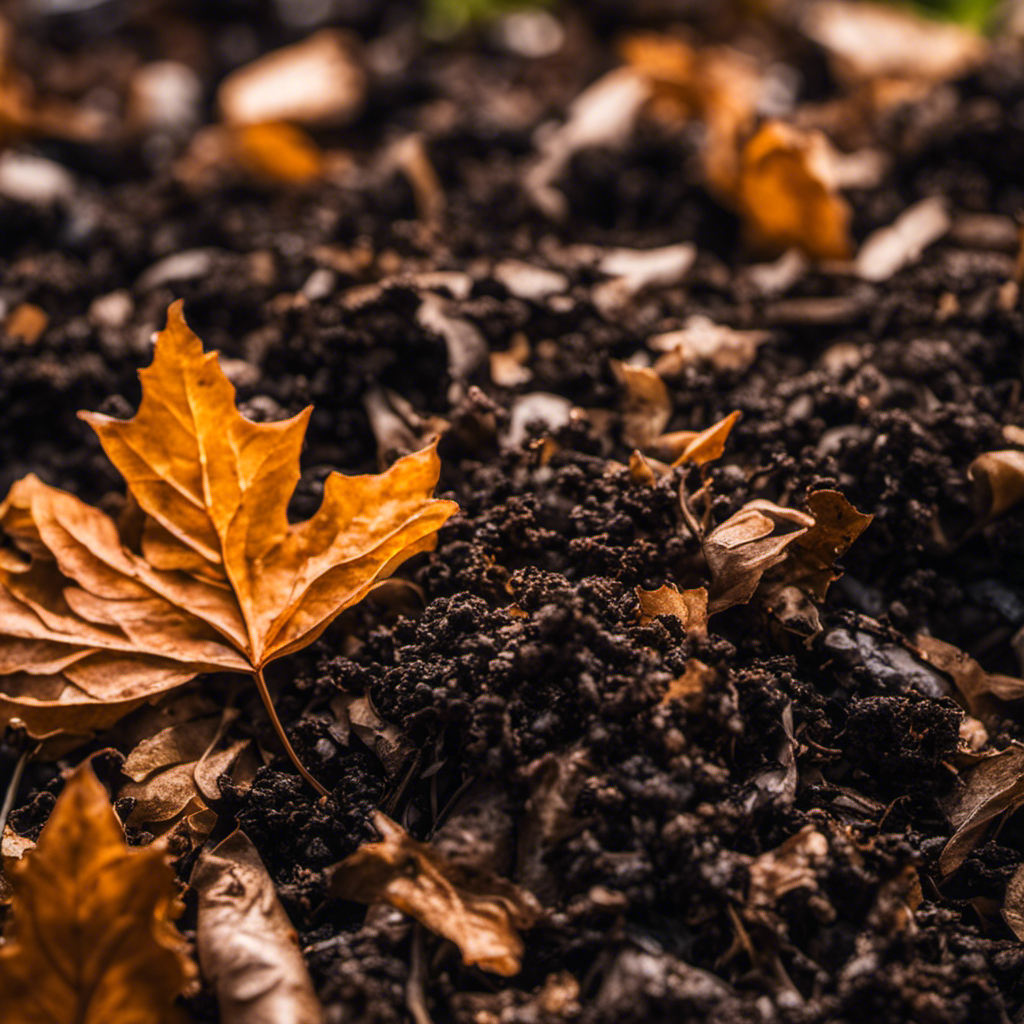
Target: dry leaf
990,789
703,341
1013,904
890,249
691,686
646,407
868,41
247,946
690,607
633,271
697,446
787,195
319,81
221,580
26,323
793,865
972,681
91,939
482,914
998,480
743,548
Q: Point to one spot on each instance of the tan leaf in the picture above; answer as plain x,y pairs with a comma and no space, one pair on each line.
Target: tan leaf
247,945
787,196
482,914
223,581
691,686
708,445
972,681
1013,904
998,480
91,939
703,341
646,406
990,789
790,866
743,548
690,607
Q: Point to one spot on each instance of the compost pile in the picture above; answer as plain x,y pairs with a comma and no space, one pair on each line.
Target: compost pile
703,704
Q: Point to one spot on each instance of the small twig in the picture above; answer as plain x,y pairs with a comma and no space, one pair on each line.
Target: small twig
688,517
261,685
12,788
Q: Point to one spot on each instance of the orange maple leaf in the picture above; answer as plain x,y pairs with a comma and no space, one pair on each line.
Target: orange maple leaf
95,621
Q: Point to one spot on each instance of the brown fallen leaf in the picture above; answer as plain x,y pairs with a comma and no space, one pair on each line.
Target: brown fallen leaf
971,680
91,938
990,789
690,607
793,865
787,195
691,686
701,340
998,481
706,445
743,548
247,946
481,913
1013,904
646,407
219,579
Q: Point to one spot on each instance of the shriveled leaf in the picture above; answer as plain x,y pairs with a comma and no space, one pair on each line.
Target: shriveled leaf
743,548
690,607
481,913
793,865
998,481
91,938
646,406
972,681
993,787
708,445
691,686
222,580
787,196
247,946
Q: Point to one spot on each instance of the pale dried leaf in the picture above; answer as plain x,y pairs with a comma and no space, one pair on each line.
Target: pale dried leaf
646,407
482,914
888,250
793,865
247,946
703,341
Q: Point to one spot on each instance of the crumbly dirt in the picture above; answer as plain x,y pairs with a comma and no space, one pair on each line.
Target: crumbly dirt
522,642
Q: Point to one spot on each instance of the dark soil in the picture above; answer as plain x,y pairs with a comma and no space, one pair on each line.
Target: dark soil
527,646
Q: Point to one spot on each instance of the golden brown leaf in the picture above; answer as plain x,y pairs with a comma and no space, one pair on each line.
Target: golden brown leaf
481,913
692,684
646,406
690,607
91,938
971,680
998,480
786,194
247,945
222,580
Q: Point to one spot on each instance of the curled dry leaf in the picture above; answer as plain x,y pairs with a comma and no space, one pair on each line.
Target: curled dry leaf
743,548
481,913
247,946
998,481
646,406
217,579
698,446
690,607
787,196
971,680
991,788
91,938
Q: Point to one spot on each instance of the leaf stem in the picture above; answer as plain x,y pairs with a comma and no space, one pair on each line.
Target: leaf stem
261,685
12,789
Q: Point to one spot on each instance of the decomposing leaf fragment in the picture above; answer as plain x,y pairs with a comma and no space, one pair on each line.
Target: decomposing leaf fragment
91,938
221,579
1013,904
972,681
481,913
787,195
998,481
690,607
897,245
701,340
646,406
789,866
247,946
691,686
991,788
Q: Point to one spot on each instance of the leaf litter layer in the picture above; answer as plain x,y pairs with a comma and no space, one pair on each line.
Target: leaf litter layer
748,824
